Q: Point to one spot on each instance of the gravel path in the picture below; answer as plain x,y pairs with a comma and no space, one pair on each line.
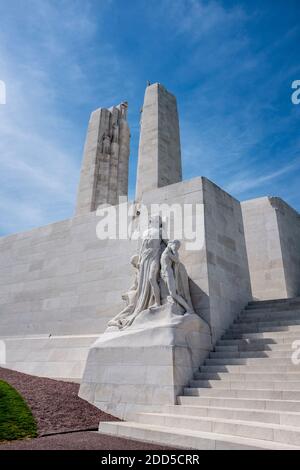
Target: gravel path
57,409
80,441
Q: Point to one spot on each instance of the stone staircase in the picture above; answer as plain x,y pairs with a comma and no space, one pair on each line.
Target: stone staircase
245,396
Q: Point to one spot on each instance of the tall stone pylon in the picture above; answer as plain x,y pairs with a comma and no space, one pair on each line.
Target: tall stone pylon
159,161
104,171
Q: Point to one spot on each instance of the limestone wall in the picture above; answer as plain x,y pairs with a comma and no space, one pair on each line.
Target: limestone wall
272,232
59,357
61,279
220,281
289,231
227,263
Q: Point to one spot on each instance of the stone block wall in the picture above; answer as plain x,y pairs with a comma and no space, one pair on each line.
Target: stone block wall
220,280
289,232
61,279
272,232
227,263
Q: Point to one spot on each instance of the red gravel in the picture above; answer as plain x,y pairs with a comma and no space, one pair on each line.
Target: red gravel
57,408
80,441
55,404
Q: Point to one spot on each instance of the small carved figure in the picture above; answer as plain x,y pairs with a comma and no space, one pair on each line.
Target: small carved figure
106,143
141,116
123,109
175,276
129,297
115,133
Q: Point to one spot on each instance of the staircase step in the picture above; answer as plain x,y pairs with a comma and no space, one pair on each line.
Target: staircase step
261,327
281,354
239,323
245,403
185,438
250,414
259,316
286,303
271,308
251,361
243,393
249,376
246,384
285,336
265,431
254,347
269,340
255,368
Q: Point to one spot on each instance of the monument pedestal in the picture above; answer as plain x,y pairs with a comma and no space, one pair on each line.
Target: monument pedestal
146,366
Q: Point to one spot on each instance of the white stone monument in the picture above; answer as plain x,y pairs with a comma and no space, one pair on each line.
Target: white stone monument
153,347
60,285
67,311
159,162
104,172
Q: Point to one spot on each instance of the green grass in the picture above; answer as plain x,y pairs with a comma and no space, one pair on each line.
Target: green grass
16,420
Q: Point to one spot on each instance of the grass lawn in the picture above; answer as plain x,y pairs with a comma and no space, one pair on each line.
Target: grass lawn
16,420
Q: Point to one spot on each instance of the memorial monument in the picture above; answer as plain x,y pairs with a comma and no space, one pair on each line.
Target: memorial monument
158,332
133,318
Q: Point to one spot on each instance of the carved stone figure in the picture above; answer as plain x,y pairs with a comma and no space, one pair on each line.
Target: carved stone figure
149,262
141,116
159,277
129,297
106,143
115,133
175,276
145,293
123,109
148,291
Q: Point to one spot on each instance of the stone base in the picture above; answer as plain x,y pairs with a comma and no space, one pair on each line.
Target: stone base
146,365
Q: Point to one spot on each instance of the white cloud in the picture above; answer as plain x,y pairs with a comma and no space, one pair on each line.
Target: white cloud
198,18
245,182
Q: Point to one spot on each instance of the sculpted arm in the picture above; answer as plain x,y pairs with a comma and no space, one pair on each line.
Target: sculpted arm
173,257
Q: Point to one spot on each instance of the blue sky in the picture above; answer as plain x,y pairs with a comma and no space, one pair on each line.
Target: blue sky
230,64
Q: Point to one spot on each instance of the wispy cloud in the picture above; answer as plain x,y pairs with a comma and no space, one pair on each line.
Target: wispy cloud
200,18
244,182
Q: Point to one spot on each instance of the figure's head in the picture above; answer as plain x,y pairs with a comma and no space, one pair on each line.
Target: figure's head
155,222
134,261
174,245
